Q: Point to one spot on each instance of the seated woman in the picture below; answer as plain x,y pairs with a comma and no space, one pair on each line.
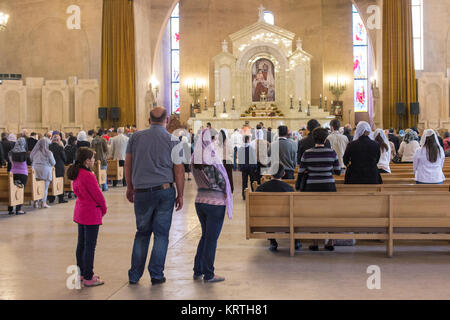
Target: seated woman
317,166
361,157
385,149
277,185
429,160
408,147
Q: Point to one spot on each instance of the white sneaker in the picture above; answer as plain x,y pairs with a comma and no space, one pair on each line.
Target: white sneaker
45,206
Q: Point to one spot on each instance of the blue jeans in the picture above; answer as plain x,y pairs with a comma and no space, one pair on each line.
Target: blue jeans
153,212
87,241
235,159
47,184
105,185
211,219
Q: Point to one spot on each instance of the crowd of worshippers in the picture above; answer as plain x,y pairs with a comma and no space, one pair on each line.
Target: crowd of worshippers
56,149
361,154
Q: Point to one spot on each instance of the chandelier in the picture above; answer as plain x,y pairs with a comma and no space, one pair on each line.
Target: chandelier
3,20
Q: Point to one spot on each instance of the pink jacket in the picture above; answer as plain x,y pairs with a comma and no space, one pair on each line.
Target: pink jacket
91,205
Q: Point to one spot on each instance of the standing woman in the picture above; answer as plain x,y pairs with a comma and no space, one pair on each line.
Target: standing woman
429,160
19,161
361,157
82,140
89,211
43,162
385,150
59,154
213,197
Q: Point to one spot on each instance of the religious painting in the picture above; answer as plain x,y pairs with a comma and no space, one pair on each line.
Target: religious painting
263,80
361,96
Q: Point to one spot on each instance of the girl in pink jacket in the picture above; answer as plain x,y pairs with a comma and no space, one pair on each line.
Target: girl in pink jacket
89,210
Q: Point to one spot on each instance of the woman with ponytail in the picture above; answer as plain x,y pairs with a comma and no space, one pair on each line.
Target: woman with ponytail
90,208
429,160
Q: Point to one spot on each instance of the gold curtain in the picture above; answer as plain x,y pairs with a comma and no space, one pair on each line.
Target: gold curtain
118,81
399,78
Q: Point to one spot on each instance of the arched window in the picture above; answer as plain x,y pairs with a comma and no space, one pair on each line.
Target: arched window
269,17
417,21
360,63
175,58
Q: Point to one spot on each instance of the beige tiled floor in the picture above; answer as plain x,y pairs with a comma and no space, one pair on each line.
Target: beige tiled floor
36,249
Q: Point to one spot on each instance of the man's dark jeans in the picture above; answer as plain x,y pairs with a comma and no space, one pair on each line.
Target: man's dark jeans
153,212
87,241
289,175
124,181
249,172
211,219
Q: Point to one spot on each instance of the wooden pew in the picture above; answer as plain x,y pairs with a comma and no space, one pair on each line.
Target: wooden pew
100,174
68,184
56,186
115,172
385,216
35,190
10,194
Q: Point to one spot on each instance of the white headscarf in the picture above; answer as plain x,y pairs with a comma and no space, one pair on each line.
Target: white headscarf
362,127
12,137
82,136
380,132
259,134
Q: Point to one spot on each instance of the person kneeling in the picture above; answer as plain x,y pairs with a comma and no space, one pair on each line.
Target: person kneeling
277,185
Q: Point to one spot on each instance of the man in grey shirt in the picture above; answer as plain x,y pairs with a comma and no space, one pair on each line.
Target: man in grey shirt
288,153
150,174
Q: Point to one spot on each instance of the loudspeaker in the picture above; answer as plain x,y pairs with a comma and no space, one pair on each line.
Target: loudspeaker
415,108
103,113
401,109
115,114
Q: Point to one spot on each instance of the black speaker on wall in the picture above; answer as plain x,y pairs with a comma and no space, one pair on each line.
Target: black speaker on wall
415,108
401,109
103,113
115,114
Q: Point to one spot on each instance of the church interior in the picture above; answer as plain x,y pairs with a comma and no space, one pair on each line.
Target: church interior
85,68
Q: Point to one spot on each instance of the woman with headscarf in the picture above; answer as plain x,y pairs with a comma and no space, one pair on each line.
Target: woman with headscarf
59,154
362,156
224,144
82,140
43,162
429,160
409,146
385,149
19,161
213,198
186,153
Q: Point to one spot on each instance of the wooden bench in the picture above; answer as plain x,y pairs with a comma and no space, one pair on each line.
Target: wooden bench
68,184
115,172
35,190
369,216
10,194
100,174
56,186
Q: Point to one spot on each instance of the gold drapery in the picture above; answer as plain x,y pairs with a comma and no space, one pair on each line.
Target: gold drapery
118,81
399,78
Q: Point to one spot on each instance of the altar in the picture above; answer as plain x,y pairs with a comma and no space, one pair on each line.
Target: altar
263,79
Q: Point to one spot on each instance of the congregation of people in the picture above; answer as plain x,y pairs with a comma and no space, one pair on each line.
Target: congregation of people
312,156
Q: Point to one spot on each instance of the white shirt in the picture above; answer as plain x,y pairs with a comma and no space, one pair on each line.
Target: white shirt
407,150
237,140
385,160
427,172
119,147
339,144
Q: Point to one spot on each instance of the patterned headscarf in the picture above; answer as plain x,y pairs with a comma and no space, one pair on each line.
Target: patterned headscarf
410,135
19,147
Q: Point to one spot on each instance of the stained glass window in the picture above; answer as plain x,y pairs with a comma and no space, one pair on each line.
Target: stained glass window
417,21
360,63
175,58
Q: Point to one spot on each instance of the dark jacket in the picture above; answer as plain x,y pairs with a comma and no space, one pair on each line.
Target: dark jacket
100,146
71,152
361,159
395,140
7,147
306,144
81,144
31,142
60,158
247,159
2,157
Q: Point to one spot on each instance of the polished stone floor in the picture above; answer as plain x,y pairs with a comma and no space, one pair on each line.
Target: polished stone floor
36,249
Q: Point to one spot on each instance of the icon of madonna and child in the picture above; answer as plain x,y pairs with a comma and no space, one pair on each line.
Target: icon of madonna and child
263,76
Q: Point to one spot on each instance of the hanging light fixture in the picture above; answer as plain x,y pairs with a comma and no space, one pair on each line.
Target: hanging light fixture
3,20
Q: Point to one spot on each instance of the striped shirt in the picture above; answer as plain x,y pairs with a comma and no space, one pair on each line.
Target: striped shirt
320,164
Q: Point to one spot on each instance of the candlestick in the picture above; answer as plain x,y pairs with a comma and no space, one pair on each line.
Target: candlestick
309,109
300,105
215,110
233,106
224,106
192,111
326,105
206,104
292,102
320,104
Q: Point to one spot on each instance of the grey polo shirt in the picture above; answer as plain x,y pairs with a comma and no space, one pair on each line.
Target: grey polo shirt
151,150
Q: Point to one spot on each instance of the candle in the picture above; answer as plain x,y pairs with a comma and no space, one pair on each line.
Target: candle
321,96
326,99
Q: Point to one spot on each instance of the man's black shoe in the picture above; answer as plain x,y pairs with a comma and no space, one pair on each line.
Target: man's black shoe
298,245
158,281
273,245
63,201
133,282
